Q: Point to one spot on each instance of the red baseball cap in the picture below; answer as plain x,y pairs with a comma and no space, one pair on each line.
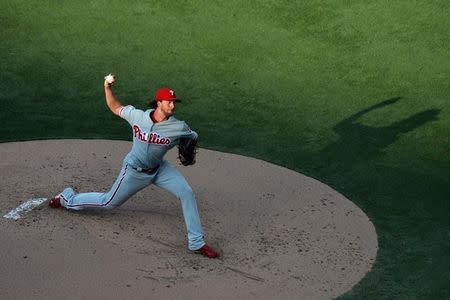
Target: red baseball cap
165,93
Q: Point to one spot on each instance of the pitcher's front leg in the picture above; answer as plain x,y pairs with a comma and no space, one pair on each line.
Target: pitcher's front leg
170,179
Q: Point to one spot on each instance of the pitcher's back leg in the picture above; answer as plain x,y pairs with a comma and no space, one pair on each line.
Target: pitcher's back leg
126,185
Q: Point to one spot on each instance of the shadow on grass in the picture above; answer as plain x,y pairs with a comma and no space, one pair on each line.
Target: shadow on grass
405,206
359,143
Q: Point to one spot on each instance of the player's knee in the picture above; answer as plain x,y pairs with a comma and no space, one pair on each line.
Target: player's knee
186,191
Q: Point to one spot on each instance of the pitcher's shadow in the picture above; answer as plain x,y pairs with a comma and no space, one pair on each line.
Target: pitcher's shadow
359,143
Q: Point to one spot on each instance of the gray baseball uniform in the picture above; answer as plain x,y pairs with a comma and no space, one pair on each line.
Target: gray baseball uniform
144,165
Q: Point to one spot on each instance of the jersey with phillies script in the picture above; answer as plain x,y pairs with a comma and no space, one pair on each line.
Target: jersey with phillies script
151,141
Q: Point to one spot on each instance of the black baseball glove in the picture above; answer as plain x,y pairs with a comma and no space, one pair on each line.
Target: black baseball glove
187,150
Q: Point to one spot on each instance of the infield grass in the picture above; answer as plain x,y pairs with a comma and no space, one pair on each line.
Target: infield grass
353,93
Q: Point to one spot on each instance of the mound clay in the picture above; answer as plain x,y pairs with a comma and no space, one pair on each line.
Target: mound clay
281,234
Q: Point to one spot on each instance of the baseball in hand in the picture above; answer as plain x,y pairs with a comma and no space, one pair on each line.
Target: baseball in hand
110,79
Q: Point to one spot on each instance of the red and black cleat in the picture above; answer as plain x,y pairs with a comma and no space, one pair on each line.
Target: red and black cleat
55,202
207,251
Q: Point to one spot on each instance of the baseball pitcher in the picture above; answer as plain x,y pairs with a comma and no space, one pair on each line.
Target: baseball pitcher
154,131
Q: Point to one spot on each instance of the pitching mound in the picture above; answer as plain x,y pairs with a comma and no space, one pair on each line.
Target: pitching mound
281,234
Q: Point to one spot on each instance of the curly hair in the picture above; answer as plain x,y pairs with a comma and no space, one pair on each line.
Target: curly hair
152,103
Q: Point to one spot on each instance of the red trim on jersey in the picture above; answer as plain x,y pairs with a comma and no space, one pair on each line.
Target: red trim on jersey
152,116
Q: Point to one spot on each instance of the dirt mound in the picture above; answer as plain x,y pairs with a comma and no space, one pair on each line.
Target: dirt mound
281,234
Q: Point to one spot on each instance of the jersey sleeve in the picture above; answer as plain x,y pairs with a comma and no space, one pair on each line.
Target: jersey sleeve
130,113
188,132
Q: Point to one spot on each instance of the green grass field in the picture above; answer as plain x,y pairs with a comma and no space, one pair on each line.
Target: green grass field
353,93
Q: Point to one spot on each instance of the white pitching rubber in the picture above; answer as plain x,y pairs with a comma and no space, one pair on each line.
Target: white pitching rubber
25,207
